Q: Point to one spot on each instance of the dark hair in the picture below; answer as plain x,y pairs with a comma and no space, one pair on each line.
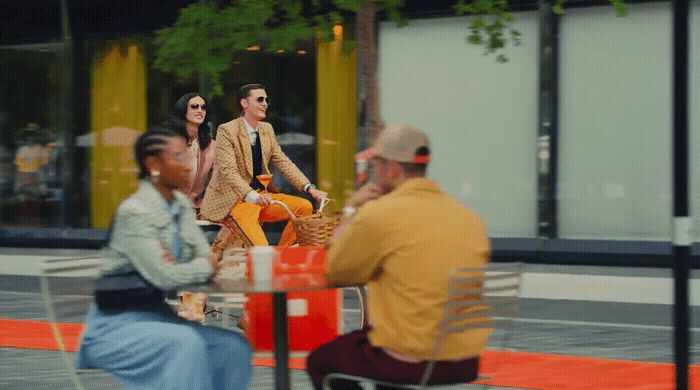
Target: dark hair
179,121
417,169
151,143
244,92
413,169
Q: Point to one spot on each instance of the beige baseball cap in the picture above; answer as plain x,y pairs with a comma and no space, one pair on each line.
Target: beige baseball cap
402,143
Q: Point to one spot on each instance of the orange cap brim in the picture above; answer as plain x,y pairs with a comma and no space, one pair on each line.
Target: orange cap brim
421,159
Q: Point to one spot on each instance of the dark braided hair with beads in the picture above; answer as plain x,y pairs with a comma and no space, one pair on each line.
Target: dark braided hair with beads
151,143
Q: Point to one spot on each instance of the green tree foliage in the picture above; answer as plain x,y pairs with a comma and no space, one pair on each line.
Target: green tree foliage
206,34
492,23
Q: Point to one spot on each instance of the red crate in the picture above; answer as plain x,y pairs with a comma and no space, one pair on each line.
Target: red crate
314,317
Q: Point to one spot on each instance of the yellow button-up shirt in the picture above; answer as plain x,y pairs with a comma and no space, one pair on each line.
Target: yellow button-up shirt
404,246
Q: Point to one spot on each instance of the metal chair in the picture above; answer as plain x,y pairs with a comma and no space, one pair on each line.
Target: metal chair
67,290
477,298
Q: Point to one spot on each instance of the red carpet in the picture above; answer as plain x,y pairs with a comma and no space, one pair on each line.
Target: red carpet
513,369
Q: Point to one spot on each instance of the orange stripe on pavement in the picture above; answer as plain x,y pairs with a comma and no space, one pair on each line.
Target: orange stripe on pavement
523,370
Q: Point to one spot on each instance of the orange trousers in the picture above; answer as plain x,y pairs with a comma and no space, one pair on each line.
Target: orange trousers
250,215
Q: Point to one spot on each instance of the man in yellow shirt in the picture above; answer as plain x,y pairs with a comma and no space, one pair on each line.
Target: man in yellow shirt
402,238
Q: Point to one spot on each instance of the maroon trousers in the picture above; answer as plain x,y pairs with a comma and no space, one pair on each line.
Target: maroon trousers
352,354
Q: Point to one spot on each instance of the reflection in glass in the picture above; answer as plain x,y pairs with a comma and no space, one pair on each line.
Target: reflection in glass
31,145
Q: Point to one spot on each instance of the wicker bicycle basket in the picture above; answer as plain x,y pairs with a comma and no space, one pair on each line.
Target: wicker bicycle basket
314,229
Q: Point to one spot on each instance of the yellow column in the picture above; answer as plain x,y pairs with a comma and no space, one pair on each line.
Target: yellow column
336,119
118,116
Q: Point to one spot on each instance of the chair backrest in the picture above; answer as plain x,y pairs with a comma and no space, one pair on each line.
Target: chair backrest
67,289
479,298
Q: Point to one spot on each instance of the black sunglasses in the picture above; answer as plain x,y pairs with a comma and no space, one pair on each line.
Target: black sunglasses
260,99
195,106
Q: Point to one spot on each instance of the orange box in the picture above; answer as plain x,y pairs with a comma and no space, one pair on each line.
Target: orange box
314,317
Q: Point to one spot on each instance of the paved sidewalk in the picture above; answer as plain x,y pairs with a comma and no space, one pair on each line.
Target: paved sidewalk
597,318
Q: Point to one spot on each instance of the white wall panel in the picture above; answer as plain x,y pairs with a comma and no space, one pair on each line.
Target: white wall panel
480,116
615,123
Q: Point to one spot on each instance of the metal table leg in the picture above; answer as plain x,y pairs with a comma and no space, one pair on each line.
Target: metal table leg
279,330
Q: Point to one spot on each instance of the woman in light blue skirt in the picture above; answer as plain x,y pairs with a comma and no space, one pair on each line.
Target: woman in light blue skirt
155,247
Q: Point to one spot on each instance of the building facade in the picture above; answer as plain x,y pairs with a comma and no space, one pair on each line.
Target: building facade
565,149
79,86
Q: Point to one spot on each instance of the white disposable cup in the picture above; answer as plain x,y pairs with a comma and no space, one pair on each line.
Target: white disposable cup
262,258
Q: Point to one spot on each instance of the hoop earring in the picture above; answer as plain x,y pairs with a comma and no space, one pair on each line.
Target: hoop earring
155,176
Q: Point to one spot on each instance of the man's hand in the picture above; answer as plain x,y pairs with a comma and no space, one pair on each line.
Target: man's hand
364,194
264,200
317,194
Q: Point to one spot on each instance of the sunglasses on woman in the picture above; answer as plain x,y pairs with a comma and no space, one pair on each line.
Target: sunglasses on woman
196,106
261,99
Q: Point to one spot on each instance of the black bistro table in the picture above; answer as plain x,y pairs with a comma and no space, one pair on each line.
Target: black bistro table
278,286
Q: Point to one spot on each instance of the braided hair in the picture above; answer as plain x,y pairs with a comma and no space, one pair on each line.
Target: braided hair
151,143
179,120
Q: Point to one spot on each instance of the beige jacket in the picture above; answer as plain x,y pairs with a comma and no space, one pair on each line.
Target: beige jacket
233,167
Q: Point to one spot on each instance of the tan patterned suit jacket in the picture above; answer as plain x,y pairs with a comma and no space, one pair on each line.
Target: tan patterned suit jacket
233,167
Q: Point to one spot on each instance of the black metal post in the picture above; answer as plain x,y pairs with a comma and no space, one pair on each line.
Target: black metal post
67,209
548,124
682,224
279,323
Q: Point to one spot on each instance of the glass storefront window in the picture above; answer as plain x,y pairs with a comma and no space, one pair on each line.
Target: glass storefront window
32,143
69,113
124,96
